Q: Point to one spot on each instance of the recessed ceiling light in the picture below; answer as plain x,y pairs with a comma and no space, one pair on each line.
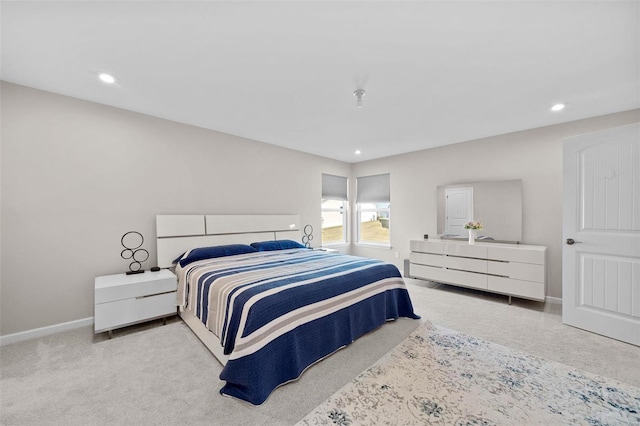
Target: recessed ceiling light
558,107
106,78
358,152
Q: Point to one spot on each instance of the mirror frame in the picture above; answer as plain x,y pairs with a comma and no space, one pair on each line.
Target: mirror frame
497,204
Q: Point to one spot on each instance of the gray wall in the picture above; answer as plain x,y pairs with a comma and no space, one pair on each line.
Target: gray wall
535,156
77,175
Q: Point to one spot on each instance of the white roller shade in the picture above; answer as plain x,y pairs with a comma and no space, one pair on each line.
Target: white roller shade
334,187
373,189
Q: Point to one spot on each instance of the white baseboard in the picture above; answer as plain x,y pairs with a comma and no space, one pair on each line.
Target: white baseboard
553,300
44,331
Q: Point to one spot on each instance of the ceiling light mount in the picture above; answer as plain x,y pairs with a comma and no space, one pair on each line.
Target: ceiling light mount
359,93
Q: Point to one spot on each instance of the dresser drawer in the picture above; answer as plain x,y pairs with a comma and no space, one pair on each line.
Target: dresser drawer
498,268
517,254
128,311
427,259
466,264
466,250
466,279
526,272
518,288
426,246
449,276
430,273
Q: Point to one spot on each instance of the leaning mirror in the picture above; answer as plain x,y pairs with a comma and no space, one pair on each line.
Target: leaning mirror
498,205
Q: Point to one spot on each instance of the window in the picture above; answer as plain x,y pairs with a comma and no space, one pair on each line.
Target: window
334,209
374,209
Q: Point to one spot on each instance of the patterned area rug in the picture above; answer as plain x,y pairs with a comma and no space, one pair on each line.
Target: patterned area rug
438,376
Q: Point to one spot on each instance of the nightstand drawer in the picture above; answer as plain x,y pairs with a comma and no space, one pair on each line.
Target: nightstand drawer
119,287
128,311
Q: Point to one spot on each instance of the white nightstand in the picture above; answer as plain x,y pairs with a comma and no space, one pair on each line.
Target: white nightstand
122,299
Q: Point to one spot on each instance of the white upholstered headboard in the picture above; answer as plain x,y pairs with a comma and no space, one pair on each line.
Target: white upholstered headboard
176,234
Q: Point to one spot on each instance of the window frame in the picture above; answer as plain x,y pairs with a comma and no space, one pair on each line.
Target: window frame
345,222
360,210
373,190
335,189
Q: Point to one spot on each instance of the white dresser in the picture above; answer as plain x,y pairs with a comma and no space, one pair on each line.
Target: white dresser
511,269
122,299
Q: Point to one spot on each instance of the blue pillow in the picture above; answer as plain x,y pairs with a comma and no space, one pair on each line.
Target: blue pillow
177,259
215,251
276,245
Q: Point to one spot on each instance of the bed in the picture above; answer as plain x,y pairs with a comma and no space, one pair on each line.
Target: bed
266,306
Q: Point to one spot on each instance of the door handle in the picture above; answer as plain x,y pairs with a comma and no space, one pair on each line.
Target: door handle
571,241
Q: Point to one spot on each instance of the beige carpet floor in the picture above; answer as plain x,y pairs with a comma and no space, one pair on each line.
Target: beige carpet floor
162,375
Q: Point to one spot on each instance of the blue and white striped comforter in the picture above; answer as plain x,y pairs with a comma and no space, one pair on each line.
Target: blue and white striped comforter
278,312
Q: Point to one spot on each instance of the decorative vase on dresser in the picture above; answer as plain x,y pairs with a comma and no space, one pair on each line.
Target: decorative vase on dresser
472,236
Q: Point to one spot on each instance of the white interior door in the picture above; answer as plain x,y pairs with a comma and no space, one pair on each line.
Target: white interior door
458,210
601,232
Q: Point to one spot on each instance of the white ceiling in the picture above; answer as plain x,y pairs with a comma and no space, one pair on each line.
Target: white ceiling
284,73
